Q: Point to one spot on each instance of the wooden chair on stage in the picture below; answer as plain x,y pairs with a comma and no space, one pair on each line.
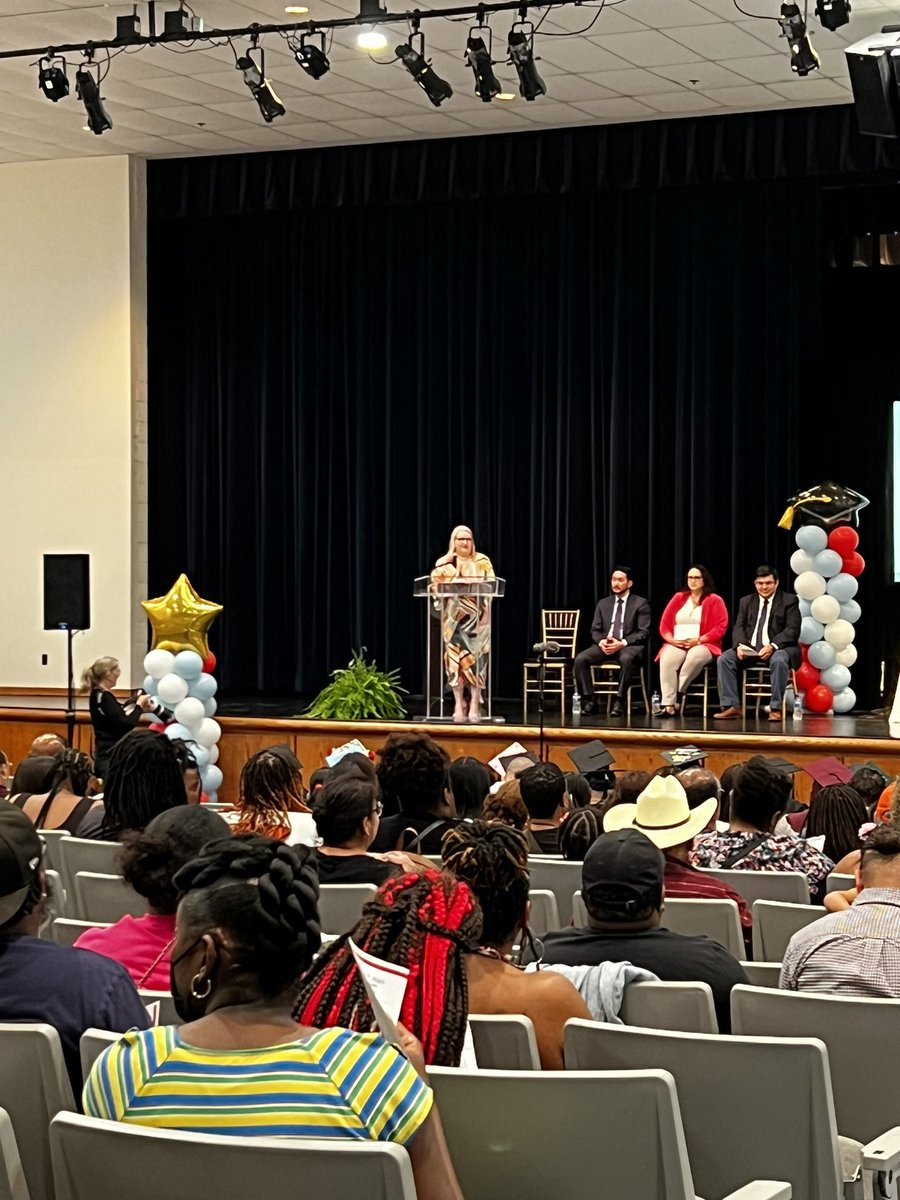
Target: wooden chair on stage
557,625
699,689
756,687
605,680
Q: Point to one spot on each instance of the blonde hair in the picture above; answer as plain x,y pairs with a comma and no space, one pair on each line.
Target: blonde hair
451,549
92,675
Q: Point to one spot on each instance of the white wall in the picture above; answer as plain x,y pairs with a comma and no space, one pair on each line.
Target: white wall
72,407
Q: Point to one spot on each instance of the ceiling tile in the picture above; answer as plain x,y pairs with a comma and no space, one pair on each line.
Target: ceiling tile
618,108
650,49
718,41
707,75
811,88
575,87
765,68
581,55
633,82
669,14
748,95
680,102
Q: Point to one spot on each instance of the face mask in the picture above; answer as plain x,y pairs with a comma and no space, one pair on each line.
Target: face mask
188,1006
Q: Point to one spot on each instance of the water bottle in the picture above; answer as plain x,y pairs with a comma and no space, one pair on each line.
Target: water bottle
654,702
576,708
797,714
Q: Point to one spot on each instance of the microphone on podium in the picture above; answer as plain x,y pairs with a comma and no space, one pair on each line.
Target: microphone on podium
546,648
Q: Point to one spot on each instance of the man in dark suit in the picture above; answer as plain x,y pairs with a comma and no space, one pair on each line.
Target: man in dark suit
766,633
620,631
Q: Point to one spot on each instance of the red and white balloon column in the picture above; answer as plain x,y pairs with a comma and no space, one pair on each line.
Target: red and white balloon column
827,564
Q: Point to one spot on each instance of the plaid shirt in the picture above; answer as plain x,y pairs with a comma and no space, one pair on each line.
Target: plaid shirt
855,952
777,853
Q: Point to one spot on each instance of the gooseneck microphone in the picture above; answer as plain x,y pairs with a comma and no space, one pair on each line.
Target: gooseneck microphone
547,648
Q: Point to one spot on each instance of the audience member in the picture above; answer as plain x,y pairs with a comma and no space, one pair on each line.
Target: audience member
413,776
356,763
629,786
470,782
347,811
5,769
66,802
622,888
271,801
40,980
248,926
543,789
506,807
143,779
869,781
579,831
663,813
47,745
493,861
728,779
578,790
757,801
700,784
836,812
32,775
317,780
884,806
190,772
855,952
150,861
516,766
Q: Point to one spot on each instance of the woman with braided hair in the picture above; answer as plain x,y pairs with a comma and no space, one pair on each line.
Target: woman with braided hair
143,779
247,927
493,860
66,802
271,802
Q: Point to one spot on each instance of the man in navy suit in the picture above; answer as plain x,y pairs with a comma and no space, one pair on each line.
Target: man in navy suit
766,633
620,631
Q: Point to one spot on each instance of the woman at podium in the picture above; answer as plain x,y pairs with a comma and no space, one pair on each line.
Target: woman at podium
465,623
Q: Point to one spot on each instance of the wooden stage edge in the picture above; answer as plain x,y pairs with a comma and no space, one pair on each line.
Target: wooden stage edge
632,749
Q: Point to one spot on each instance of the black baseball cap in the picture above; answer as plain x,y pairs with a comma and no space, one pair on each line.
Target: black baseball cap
622,874
20,856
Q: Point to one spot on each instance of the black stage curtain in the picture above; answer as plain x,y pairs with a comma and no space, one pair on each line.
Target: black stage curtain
353,350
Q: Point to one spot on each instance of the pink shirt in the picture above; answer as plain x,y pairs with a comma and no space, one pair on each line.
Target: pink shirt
140,944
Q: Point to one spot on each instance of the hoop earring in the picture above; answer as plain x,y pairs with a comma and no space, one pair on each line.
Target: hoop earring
195,992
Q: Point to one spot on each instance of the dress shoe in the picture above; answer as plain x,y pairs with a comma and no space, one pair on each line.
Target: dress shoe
615,709
775,714
588,708
729,714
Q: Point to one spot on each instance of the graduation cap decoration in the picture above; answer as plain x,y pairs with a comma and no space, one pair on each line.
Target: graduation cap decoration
683,757
826,771
781,764
826,504
594,762
868,765
505,760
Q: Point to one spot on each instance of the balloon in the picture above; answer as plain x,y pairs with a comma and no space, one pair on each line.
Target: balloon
844,539
801,561
201,756
819,698
844,700
177,730
809,585
157,727
189,712
854,564
209,707
210,798
811,630
822,655
804,652
209,663
149,685
840,633
850,611
171,689
825,609
188,664
807,677
180,619
208,732
213,753
842,587
836,677
811,538
846,657
204,687
158,663
827,563
212,778
805,607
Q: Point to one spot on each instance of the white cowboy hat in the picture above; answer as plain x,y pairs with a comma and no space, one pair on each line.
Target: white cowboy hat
662,813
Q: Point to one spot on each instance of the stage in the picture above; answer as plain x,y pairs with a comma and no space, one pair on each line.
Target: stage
250,723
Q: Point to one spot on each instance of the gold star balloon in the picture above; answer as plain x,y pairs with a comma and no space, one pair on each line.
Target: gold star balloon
181,618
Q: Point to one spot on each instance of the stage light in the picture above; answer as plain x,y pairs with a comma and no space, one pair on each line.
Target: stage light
312,59
296,9
803,58
88,92
52,79
833,14
260,88
371,38
521,55
436,89
478,57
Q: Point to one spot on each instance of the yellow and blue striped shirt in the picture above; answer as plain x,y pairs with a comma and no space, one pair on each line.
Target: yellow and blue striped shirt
334,1083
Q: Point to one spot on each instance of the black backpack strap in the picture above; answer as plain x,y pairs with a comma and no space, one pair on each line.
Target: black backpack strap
747,848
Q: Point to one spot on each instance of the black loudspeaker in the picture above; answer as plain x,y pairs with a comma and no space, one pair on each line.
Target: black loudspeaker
67,591
875,94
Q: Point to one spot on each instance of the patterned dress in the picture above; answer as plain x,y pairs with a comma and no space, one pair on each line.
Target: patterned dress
465,622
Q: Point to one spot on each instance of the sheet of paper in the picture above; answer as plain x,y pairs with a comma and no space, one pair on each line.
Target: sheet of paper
385,985
354,746
153,1012
512,748
468,1059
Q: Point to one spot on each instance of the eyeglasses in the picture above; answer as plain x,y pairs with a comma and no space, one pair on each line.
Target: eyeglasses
694,575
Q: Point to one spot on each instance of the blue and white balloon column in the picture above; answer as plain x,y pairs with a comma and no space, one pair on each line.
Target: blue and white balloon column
827,564
179,682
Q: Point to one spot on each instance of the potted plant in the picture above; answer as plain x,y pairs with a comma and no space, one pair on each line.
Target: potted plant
360,691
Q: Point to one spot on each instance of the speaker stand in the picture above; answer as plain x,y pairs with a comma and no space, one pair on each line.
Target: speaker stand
70,685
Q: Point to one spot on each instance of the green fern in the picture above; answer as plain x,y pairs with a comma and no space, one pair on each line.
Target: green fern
360,691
